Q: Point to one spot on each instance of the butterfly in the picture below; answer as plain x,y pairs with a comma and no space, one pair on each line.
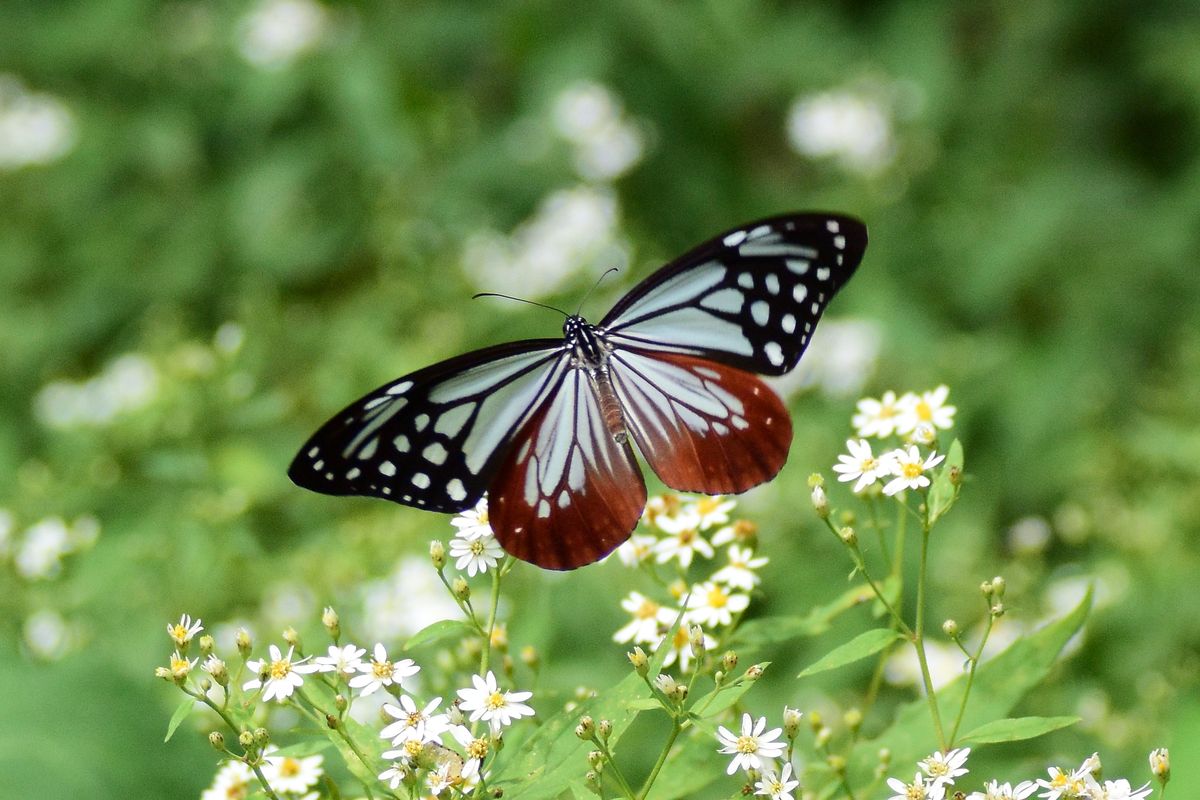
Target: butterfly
547,427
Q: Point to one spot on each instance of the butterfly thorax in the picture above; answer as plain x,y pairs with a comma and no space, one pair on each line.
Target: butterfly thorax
590,353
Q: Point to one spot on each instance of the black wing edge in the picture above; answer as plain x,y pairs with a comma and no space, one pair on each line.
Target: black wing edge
854,229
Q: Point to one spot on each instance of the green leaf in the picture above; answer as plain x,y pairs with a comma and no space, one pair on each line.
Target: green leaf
306,748
773,630
1016,729
442,629
181,713
861,646
943,492
999,684
644,704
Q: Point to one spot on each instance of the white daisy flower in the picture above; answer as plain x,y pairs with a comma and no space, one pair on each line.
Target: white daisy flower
394,775
711,511
917,790
684,540
278,676
877,417
777,786
927,407
1114,790
413,722
473,523
739,573
292,775
486,702
233,781
648,617
1160,762
636,549
711,606
182,632
743,531
680,648
945,767
910,470
438,781
180,666
753,748
380,672
344,660
1062,784
861,465
476,555
995,790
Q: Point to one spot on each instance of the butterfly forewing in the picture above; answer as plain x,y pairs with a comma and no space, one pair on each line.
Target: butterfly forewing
703,426
569,491
433,439
749,298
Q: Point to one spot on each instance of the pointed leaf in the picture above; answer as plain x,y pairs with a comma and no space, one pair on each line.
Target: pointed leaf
1016,729
725,697
861,646
773,630
181,713
442,629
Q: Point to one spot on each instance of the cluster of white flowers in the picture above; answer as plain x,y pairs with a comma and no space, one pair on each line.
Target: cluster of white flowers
277,32
474,548
917,418
346,668
755,749
126,384
680,530
939,771
35,128
850,126
37,552
606,144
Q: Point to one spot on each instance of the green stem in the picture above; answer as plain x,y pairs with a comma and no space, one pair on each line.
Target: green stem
971,678
253,764
861,565
662,759
626,789
883,549
919,639
485,656
319,718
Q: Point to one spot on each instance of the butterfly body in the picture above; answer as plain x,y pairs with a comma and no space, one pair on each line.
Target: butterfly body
547,427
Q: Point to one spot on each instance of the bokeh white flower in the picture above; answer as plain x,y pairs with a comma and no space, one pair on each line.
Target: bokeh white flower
852,127
35,128
276,32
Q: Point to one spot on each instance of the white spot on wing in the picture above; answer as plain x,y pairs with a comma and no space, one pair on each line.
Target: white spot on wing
772,282
832,226
727,300
451,422
400,388
823,273
797,265
734,239
456,490
421,480
774,353
839,242
353,473
435,453
761,311
421,421
788,323
387,468
800,292
401,443
746,280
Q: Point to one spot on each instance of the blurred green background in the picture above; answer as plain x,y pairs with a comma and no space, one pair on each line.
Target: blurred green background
220,222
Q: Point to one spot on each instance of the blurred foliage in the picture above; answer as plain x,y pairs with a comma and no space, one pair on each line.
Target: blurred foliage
1034,240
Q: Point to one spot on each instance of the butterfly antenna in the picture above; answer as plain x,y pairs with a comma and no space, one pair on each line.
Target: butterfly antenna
594,287
519,300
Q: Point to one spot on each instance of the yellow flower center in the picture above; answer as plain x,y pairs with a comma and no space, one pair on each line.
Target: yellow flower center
495,701
483,518
937,769
280,669
415,718
382,669
867,464
912,470
478,748
179,633
238,790
682,638
887,412
707,505
180,666
717,597
915,792
647,610
924,412
289,768
687,536
476,547
413,748
747,744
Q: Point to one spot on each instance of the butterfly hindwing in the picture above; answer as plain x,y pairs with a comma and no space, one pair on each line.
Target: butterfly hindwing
568,492
703,426
432,439
749,298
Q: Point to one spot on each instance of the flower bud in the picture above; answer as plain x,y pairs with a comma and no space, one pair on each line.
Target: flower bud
162,672
499,638
205,685
853,719
847,517
217,740
1091,763
217,669
998,609
836,763
530,657
596,760
848,536
950,628
437,554
329,618
955,475
592,781
729,661
665,684
814,721
719,678
461,589
823,736
755,672
332,722
246,740
885,756
1160,764
820,501
207,643
791,722
454,714
696,637
243,642
998,586
292,637
586,729
681,692
340,702
262,737
605,729
986,589
641,664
